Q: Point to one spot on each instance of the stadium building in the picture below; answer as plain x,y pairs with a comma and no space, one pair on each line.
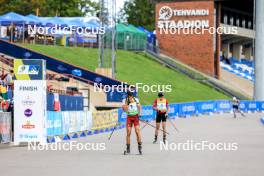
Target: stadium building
214,37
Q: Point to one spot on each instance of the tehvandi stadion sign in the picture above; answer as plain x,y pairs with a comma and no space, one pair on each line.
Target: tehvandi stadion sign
166,13
183,33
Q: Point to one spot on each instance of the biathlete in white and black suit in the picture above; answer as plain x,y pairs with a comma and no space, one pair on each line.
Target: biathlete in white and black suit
236,109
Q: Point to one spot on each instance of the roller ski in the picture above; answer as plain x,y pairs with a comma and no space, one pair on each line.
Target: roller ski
164,139
155,139
127,151
140,149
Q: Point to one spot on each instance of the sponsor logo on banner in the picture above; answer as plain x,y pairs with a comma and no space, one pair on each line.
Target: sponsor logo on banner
28,125
147,112
172,110
104,119
188,108
124,115
207,106
224,105
28,112
242,105
28,102
98,79
27,54
252,106
27,136
28,70
61,68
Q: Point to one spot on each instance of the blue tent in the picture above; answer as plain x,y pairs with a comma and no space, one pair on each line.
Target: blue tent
151,35
1,20
34,19
14,18
79,22
76,22
57,21
46,21
143,29
92,23
151,38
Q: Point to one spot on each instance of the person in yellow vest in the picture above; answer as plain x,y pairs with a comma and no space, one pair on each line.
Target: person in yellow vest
161,106
133,109
3,90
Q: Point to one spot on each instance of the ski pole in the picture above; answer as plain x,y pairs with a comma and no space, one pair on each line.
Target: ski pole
174,126
153,126
112,131
143,126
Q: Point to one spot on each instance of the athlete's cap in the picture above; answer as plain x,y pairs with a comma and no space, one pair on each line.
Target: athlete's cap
160,94
129,93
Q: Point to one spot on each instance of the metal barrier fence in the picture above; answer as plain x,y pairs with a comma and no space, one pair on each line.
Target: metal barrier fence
5,127
68,125
75,124
105,121
197,108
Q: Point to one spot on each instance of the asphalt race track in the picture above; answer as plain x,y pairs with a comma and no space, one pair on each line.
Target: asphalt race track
247,132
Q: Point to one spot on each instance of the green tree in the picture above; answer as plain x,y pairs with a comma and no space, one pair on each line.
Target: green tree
140,13
50,7
23,7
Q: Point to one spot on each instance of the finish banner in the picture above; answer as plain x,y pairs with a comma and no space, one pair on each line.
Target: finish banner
30,101
29,111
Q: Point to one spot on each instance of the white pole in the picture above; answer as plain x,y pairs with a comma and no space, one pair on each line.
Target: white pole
23,32
259,52
12,27
113,38
0,29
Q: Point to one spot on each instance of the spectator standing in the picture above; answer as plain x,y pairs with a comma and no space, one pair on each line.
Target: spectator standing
10,83
3,90
9,79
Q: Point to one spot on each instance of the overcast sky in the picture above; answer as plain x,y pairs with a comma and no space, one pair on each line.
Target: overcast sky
119,4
